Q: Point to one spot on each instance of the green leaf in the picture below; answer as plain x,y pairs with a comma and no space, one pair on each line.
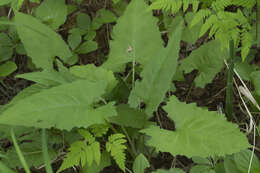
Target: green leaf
7,68
208,60
103,16
83,21
157,76
198,132
5,2
75,156
46,77
230,166
242,161
140,164
129,117
74,40
6,47
116,146
130,35
94,168
95,74
255,76
172,170
86,47
201,169
53,13
41,43
64,107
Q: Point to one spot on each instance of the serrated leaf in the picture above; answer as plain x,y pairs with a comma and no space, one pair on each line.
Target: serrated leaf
75,156
129,117
130,35
93,73
198,132
53,13
208,60
41,43
7,68
94,168
201,169
230,166
116,146
6,47
140,164
64,107
157,76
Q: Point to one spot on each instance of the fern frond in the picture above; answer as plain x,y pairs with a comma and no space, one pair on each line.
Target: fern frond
199,16
115,145
99,129
174,5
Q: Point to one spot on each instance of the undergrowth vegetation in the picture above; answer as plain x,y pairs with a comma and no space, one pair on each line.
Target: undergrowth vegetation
103,90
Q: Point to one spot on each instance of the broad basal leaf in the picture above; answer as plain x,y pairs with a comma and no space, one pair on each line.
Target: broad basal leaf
135,37
157,76
198,133
41,43
53,13
243,160
64,107
208,60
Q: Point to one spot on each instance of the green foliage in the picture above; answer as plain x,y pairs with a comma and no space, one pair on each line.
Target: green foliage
41,43
172,170
208,60
7,68
47,108
82,152
130,35
6,47
198,132
129,117
157,76
174,5
140,164
115,145
53,13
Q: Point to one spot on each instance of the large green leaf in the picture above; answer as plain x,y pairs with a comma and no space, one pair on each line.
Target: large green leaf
198,132
243,159
7,68
42,44
157,76
172,170
64,107
135,37
93,73
46,77
53,13
208,60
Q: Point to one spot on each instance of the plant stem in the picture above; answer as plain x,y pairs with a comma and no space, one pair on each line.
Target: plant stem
229,89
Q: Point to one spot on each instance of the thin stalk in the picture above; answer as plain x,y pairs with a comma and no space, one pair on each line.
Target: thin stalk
45,152
19,153
130,141
229,88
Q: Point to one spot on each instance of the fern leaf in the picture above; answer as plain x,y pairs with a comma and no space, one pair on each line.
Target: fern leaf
199,16
75,156
198,132
115,145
